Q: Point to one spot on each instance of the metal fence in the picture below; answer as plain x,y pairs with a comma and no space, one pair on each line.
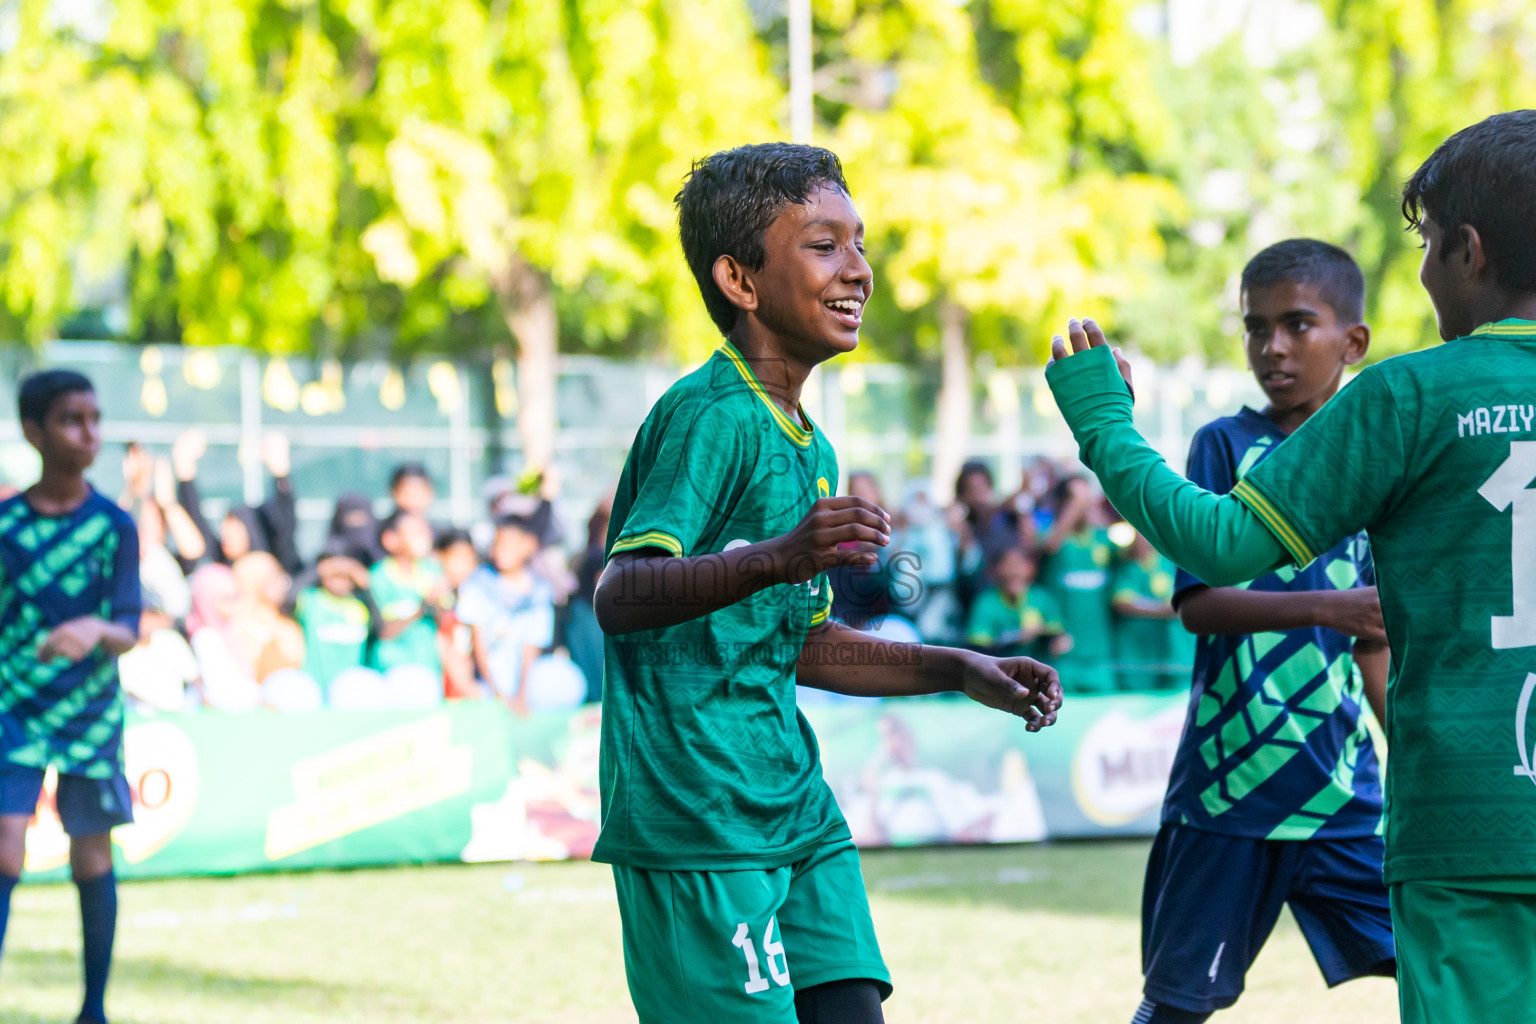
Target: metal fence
350,425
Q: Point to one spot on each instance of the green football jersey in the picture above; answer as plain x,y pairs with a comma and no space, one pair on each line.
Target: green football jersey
1434,453
706,762
995,621
1150,653
1077,576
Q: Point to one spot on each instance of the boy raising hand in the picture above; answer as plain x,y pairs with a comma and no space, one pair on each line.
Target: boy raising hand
738,884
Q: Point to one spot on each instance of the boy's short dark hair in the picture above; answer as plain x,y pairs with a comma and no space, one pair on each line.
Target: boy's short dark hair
452,538
729,199
37,393
995,559
1484,176
408,471
391,522
1329,269
973,467
517,522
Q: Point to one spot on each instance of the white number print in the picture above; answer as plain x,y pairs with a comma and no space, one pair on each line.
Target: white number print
778,964
1508,488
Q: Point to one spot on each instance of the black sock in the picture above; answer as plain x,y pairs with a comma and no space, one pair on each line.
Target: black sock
854,1001
1157,1013
98,923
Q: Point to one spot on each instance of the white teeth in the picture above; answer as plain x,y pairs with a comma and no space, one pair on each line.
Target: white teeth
849,306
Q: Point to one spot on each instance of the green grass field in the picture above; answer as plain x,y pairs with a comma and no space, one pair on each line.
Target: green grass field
1032,933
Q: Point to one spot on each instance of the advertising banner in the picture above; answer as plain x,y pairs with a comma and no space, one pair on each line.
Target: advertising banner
225,794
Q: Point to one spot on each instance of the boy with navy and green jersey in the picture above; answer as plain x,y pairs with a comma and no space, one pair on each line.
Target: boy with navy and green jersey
69,606
1153,650
1275,793
1432,453
739,887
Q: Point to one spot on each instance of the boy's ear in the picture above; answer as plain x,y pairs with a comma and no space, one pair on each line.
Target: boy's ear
733,280
1357,343
1471,258
33,432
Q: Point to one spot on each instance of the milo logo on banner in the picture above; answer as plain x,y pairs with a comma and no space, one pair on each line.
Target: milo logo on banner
1120,769
161,765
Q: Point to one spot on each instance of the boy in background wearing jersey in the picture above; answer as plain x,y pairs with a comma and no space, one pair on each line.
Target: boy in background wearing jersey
69,607
1275,795
739,887
1432,453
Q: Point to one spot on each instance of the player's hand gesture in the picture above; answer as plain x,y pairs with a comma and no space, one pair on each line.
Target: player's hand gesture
1355,612
1020,686
71,641
187,452
811,548
1085,334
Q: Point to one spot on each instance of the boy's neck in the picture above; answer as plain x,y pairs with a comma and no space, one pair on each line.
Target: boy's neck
514,575
782,375
1288,420
1505,307
57,491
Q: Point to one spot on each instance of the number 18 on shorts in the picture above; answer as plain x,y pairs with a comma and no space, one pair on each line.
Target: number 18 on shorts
722,947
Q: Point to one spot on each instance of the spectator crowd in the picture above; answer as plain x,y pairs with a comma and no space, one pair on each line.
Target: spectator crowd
398,611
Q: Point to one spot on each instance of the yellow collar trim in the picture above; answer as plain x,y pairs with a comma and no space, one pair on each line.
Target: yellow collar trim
797,433
1511,328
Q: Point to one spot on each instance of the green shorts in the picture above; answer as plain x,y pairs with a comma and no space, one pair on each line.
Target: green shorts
731,947
1466,951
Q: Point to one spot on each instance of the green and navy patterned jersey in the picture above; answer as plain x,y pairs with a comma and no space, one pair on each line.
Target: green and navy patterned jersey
706,763
1435,453
1273,746
54,569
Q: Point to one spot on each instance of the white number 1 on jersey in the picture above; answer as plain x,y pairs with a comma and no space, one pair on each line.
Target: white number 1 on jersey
1509,486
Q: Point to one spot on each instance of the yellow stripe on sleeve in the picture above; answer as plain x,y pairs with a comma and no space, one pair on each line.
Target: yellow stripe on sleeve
649,539
1284,532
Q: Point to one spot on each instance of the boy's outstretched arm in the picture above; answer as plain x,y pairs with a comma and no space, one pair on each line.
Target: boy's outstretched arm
1215,537
638,591
1213,611
841,659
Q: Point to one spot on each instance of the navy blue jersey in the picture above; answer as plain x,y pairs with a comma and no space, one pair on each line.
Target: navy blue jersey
1273,746
68,714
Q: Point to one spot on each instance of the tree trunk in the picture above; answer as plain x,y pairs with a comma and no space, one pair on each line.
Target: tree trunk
952,436
528,304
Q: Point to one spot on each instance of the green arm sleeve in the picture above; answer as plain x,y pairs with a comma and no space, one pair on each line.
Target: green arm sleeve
1215,537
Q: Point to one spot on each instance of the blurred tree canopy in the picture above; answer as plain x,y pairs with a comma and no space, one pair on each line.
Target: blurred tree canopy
495,176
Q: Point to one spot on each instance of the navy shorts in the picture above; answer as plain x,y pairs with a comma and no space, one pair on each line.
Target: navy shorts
1211,901
87,807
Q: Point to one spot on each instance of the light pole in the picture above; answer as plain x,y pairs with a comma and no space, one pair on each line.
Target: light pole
801,115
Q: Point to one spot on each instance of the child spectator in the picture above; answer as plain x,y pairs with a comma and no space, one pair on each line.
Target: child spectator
407,587
1153,650
460,561
860,593
273,641
228,674
583,636
510,611
1077,558
984,529
1013,617
69,599
923,567
160,672
337,616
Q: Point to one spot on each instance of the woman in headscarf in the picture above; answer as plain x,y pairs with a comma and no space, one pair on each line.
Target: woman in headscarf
224,660
355,528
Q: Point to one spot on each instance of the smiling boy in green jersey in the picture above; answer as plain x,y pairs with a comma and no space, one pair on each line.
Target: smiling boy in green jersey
739,887
1434,454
